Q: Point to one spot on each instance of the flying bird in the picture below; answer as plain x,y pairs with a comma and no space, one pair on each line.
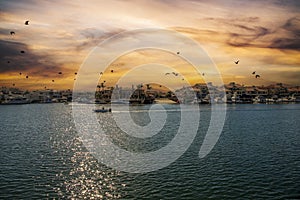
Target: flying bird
8,61
59,72
12,33
176,74
26,76
101,73
112,71
75,73
203,74
178,52
13,84
52,80
253,72
257,76
167,73
20,73
236,62
22,51
26,22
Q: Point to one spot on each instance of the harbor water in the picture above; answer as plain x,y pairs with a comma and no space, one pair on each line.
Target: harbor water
256,157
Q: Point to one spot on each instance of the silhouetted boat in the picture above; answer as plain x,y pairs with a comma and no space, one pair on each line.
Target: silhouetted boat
102,110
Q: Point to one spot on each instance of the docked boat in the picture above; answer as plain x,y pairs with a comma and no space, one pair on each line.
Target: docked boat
236,99
259,99
174,98
270,100
15,101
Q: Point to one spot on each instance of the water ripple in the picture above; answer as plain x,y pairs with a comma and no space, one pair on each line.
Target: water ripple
257,157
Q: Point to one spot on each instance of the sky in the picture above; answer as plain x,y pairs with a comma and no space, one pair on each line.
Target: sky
263,35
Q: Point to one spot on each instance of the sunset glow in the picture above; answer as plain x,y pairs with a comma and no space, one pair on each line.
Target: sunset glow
263,35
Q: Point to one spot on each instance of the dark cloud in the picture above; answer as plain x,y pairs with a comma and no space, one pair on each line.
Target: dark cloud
28,5
242,32
254,36
244,27
15,5
286,43
11,60
94,36
293,25
248,38
288,3
233,21
291,41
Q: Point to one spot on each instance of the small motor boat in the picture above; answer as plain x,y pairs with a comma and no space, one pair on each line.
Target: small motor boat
103,110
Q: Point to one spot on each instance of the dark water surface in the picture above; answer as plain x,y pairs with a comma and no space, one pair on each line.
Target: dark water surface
256,157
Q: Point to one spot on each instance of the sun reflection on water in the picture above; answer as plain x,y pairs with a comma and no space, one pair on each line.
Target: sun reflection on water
81,176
